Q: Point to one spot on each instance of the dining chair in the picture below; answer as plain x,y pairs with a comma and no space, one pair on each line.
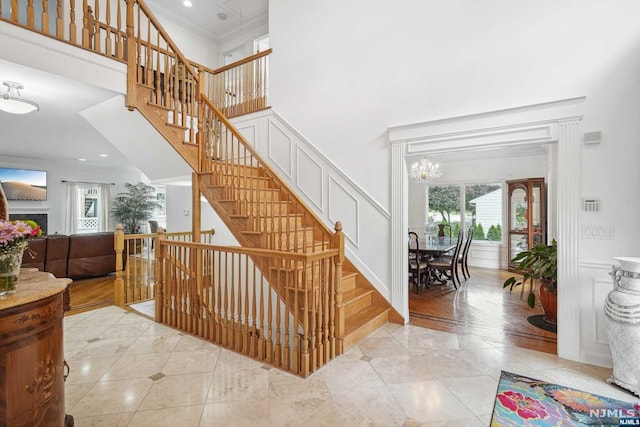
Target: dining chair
417,265
447,267
464,266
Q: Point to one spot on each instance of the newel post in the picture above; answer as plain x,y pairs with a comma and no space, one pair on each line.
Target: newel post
131,58
118,284
337,310
159,272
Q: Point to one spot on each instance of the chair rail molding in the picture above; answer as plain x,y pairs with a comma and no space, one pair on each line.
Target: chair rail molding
554,122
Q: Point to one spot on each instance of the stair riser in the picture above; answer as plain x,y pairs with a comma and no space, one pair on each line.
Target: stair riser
243,182
357,305
348,282
265,195
367,329
224,169
271,224
281,241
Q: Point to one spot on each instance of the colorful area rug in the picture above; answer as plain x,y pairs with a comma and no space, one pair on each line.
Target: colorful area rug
522,401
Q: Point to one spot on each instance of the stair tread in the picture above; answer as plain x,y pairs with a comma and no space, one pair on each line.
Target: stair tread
354,294
362,317
177,126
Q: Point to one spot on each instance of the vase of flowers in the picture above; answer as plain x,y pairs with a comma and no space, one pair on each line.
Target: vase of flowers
13,242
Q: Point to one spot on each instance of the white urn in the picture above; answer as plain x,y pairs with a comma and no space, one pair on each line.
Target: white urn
622,311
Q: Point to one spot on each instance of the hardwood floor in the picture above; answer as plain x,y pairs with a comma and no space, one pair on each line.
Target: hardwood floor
89,294
481,307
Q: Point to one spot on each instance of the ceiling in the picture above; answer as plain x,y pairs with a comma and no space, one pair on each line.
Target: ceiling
204,17
57,132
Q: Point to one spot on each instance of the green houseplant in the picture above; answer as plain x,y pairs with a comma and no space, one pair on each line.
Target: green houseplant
134,207
539,263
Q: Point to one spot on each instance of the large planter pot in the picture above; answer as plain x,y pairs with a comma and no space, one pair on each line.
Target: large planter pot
622,321
549,301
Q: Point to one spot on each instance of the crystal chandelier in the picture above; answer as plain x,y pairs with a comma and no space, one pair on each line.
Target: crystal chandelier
424,171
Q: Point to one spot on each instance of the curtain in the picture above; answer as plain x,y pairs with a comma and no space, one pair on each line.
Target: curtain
71,215
104,206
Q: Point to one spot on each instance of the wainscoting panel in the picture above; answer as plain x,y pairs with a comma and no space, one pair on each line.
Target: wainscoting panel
329,191
344,208
595,343
280,151
309,177
250,133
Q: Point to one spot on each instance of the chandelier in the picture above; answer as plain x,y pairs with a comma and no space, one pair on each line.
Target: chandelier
12,102
424,170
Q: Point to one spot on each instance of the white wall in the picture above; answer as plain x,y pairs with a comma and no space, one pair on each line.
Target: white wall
179,216
193,46
55,205
342,73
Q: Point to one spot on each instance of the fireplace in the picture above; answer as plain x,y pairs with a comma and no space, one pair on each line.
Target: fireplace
39,218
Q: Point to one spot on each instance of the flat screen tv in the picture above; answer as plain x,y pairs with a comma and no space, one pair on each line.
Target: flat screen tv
23,184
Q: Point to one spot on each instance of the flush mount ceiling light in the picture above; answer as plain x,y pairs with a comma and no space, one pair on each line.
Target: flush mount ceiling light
11,102
187,3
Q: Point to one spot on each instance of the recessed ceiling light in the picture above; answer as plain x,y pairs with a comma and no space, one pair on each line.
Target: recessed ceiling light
82,160
222,16
104,155
187,3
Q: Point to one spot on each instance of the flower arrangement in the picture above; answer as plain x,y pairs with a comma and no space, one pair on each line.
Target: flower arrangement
14,234
13,242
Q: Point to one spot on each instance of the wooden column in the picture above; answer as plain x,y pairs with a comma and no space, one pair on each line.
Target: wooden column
338,243
131,58
118,284
159,273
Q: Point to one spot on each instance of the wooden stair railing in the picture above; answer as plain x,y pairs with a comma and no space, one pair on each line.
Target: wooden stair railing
274,306
135,281
170,91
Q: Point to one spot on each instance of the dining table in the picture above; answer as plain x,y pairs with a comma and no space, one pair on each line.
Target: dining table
433,247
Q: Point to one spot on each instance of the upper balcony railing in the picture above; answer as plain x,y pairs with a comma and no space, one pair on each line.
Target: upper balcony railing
101,26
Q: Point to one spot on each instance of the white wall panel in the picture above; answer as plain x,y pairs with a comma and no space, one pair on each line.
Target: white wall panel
280,149
332,194
309,177
250,133
343,207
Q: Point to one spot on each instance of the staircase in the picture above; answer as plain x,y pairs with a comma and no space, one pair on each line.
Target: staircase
261,211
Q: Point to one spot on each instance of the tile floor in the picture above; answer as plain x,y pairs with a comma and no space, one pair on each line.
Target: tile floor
127,370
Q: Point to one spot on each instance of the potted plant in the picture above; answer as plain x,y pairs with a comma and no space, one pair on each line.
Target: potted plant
539,263
134,208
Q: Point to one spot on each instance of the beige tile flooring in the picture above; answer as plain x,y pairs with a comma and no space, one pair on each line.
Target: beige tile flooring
127,370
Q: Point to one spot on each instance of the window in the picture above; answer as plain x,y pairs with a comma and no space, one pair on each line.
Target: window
465,205
88,206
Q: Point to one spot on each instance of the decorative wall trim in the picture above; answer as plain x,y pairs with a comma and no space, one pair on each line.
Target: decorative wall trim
351,231
316,199
336,196
250,130
493,137
410,131
334,167
28,210
549,122
600,290
271,152
597,265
